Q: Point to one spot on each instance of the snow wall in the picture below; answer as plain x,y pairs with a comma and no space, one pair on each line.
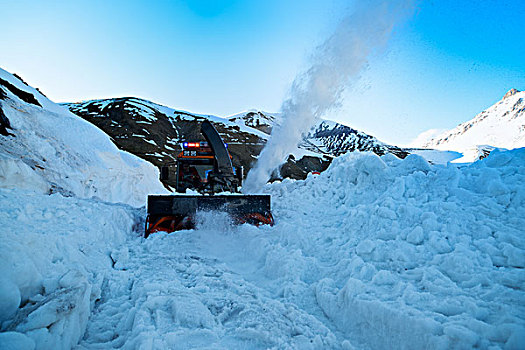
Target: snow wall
53,150
396,254
410,255
60,181
56,252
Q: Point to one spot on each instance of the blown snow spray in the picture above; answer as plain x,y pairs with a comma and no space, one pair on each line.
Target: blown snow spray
335,64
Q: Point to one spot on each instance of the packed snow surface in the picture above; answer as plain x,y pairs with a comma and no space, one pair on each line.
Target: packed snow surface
374,253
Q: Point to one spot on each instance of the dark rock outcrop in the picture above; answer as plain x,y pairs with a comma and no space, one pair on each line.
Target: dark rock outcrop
511,92
299,169
23,95
155,133
4,122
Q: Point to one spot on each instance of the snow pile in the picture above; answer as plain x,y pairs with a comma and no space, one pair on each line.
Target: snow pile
434,156
55,151
56,253
413,255
55,246
501,125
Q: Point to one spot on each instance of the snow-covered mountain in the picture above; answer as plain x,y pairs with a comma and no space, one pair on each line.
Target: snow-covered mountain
49,149
259,120
500,126
155,133
325,137
335,139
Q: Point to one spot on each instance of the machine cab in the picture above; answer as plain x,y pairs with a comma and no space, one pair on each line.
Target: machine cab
193,166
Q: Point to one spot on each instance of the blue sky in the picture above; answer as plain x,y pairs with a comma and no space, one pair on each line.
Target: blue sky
448,62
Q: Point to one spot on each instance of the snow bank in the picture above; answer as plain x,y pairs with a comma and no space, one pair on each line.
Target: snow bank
376,252
56,252
55,246
398,253
415,256
55,151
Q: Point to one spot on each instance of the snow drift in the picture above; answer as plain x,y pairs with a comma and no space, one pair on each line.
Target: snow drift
403,254
376,252
53,150
56,171
56,252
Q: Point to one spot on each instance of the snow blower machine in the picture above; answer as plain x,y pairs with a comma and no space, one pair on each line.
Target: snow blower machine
205,167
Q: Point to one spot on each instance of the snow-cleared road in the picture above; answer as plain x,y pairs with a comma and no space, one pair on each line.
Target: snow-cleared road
190,290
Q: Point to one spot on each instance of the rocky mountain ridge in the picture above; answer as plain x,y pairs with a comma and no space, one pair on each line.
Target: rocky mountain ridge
155,133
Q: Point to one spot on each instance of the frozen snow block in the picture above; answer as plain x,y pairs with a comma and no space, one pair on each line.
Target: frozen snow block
16,341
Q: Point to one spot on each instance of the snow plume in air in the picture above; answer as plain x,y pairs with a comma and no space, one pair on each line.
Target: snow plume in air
336,62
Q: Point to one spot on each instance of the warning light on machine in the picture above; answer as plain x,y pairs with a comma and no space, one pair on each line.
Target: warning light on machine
191,144
197,144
